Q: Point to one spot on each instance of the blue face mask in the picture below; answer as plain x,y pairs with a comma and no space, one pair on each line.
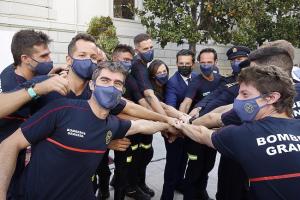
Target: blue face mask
247,109
207,69
42,68
126,64
148,56
107,97
84,68
235,65
162,78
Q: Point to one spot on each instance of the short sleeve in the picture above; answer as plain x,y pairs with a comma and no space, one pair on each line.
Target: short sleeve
119,108
124,126
140,73
203,102
42,124
231,118
228,141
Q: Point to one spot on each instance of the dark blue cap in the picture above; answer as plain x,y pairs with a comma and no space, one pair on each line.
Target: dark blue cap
237,51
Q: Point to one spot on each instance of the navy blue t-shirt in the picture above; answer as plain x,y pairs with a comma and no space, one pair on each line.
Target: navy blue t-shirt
269,152
69,142
223,95
140,73
132,92
296,106
201,87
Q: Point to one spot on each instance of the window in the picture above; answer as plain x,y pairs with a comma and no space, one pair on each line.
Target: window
122,9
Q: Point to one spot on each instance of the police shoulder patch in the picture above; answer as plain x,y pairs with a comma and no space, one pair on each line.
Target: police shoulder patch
108,137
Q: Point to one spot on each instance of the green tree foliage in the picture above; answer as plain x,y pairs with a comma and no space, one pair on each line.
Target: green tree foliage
248,23
103,29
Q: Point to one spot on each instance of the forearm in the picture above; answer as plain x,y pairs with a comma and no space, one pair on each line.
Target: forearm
147,127
8,157
126,117
199,134
155,103
210,120
12,101
144,103
223,109
185,105
171,111
140,112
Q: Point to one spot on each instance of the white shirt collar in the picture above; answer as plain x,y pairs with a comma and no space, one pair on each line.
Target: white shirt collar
185,79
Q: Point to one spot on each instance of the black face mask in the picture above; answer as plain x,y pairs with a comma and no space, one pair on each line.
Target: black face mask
185,70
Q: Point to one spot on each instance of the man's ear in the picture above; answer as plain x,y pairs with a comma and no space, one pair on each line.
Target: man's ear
25,59
273,97
92,85
216,62
193,65
69,60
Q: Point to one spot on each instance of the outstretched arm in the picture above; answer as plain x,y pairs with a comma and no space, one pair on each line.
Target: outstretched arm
153,101
172,112
140,112
199,134
9,150
210,120
144,103
12,101
148,127
185,105
213,119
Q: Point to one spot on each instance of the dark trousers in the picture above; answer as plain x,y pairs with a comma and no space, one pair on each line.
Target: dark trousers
125,163
176,160
103,173
232,181
145,155
201,160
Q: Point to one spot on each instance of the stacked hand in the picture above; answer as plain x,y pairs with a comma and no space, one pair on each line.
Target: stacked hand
119,144
173,131
56,83
195,112
185,118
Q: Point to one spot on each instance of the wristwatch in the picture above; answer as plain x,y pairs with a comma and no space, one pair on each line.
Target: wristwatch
31,91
